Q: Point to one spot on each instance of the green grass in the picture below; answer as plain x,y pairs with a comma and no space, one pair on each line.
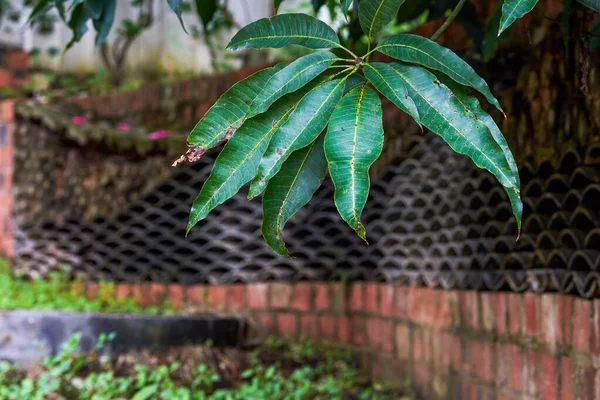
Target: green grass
277,370
60,294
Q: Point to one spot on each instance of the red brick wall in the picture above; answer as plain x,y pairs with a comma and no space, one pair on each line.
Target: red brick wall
7,243
448,344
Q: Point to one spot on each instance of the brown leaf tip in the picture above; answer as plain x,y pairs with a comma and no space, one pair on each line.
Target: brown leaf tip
194,154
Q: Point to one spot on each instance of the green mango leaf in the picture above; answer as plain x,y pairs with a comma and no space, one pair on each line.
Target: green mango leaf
303,126
353,81
292,78
283,30
593,4
40,8
229,112
240,158
177,8
104,23
78,24
317,4
419,50
374,15
353,143
513,10
206,10
471,103
290,190
386,80
346,4
443,114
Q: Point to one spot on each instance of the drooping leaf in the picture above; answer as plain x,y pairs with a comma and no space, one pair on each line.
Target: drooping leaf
303,126
290,190
353,81
353,143
229,112
471,103
513,10
206,10
239,160
78,24
346,4
593,4
443,114
386,80
420,50
104,23
374,15
292,78
40,8
283,30
177,7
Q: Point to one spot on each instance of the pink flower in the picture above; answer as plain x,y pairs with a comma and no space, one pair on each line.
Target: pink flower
79,120
159,135
123,126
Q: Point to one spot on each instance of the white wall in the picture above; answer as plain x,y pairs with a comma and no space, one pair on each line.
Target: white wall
165,45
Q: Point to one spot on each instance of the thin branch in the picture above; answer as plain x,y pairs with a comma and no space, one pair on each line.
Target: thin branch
448,21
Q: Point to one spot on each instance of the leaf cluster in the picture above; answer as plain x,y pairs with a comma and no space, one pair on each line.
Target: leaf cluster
288,126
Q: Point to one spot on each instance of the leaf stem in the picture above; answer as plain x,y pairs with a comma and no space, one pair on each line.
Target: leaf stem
348,50
448,21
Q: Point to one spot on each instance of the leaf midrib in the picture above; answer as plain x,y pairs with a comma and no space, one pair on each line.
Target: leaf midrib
375,19
386,82
292,185
452,125
335,44
284,152
354,143
292,78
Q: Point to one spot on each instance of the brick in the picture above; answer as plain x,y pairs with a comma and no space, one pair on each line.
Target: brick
456,352
530,372
488,311
565,317
515,367
7,110
141,293
266,324
339,298
586,384
371,298
217,296
386,294
502,374
327,325
596,332
357,331
501,306
548,377
531,306
515,313
567,379
257,296
6,79
176,295
322,297
470,309
418,345
343,330
236,298
356,298
380,334
582,325
302,298
401,301
597,385
286,324
403,343
91,290
483,359
440,309
196,294
158,293
549,322
309,326
280,295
